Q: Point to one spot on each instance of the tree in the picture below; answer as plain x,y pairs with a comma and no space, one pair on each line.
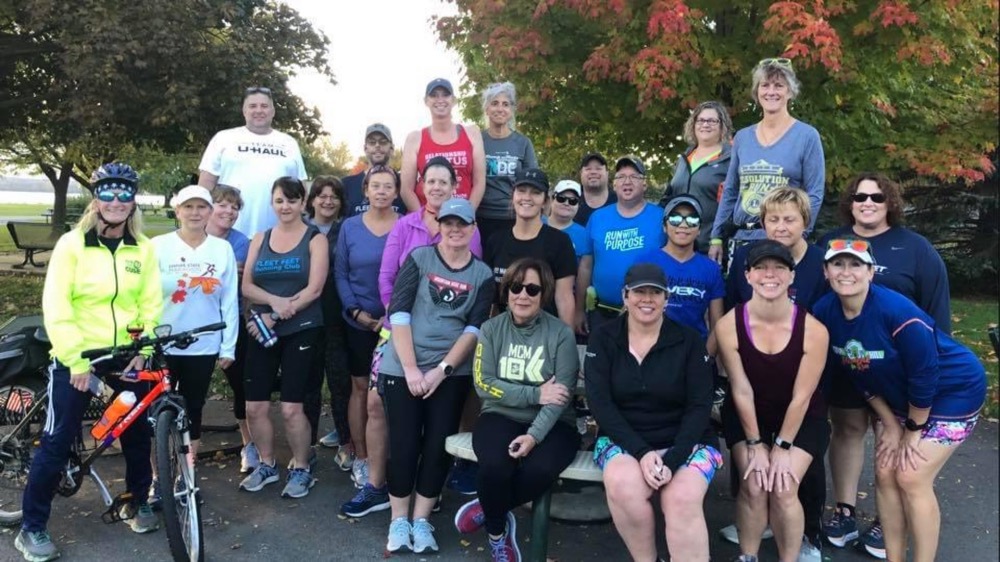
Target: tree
322,158
83,81
904,87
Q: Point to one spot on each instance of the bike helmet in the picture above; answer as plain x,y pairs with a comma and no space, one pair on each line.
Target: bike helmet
115,175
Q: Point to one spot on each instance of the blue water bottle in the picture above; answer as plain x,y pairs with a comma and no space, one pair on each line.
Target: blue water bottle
265,336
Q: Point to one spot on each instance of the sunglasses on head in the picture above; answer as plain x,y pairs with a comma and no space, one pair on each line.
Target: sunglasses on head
842,244
782,62
571,201
862,197
122,196
691,220
257,90
533,289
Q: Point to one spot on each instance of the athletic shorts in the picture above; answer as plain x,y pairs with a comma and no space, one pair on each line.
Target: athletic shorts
841,393
360,346
947,433
293,355
704,458
813,436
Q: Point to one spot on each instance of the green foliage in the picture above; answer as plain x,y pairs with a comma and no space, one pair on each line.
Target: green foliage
891,86
85,82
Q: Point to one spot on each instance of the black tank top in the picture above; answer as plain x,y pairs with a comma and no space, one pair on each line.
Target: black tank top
285,274
772,376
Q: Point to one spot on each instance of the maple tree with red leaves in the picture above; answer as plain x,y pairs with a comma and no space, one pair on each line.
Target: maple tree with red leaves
908,88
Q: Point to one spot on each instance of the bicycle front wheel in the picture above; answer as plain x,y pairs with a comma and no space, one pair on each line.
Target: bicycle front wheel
178,489
17,443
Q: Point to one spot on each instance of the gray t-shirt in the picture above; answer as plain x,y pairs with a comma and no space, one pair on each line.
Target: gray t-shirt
442,303
504,157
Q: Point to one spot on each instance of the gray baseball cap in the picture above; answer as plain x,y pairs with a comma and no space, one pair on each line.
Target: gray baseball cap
457,207
378,128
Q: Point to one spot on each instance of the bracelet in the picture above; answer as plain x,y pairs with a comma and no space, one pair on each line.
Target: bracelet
355,313
716,242
752,442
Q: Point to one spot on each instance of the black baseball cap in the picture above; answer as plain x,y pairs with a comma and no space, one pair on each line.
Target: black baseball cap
593,156
645,275
681,200
766,249
534,177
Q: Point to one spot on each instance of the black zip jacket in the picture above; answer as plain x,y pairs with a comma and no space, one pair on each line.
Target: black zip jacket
663,403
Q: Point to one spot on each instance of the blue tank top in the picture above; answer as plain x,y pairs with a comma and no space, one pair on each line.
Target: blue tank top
285,274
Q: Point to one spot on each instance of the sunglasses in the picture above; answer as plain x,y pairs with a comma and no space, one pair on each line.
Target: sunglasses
122,196
384,143
257,90
677,220
533,289
782,62
841,244
571,201
862,197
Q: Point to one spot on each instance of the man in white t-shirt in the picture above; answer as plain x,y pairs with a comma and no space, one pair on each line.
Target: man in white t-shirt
250,158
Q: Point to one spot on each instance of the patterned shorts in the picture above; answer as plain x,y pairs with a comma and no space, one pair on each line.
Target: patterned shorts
947,432
704,458
383,339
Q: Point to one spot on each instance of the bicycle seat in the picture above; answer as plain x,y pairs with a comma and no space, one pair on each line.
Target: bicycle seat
41,335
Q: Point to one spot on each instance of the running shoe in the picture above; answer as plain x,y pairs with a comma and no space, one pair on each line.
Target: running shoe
399,535
470,517
731,534
463,477
810,552
368,499
330,440
263,475
423,536
298,482
505,548
745,558
36,546
140,519
841,529
873,540
359,473
344,459
249,458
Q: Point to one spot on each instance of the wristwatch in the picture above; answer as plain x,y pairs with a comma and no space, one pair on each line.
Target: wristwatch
786,445
914,426
446,368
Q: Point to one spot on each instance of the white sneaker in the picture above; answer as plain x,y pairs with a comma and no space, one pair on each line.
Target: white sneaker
399,535
359,473
809,553
732,535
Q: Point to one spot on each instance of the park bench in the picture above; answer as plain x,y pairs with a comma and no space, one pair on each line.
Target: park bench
35,237
582,468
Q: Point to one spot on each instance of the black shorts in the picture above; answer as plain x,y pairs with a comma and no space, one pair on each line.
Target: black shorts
813,436
293,354
841,393
360,346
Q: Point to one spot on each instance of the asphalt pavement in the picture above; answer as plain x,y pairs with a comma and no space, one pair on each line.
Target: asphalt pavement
263,526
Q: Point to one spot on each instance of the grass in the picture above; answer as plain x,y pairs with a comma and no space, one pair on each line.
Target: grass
21,294
152,224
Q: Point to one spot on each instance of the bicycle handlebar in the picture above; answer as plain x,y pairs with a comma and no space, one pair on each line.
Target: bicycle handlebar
147,341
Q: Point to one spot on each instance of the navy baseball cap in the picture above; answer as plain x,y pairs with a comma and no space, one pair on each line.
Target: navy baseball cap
439,83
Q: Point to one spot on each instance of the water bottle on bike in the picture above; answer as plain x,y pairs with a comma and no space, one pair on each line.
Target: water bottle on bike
116,411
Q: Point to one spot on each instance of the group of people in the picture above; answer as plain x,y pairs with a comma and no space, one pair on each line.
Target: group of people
453,294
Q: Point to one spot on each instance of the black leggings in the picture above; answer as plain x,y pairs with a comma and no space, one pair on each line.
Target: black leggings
417,430
234,373
193,374
505,483
330,363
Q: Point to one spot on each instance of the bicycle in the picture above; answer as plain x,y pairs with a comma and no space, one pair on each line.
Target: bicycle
165,409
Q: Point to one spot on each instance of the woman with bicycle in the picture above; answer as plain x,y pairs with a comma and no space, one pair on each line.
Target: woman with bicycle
199,280
103,278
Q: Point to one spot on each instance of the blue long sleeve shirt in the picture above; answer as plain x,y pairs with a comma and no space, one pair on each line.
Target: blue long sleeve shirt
908,264
893,350
795,160
356,267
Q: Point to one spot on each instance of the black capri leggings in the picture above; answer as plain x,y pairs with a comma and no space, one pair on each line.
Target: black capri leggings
417,430
234,373
193,374
504,482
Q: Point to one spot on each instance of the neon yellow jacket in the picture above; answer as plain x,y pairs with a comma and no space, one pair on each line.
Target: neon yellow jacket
91,295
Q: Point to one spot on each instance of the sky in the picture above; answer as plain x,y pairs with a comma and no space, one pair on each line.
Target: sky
394,35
